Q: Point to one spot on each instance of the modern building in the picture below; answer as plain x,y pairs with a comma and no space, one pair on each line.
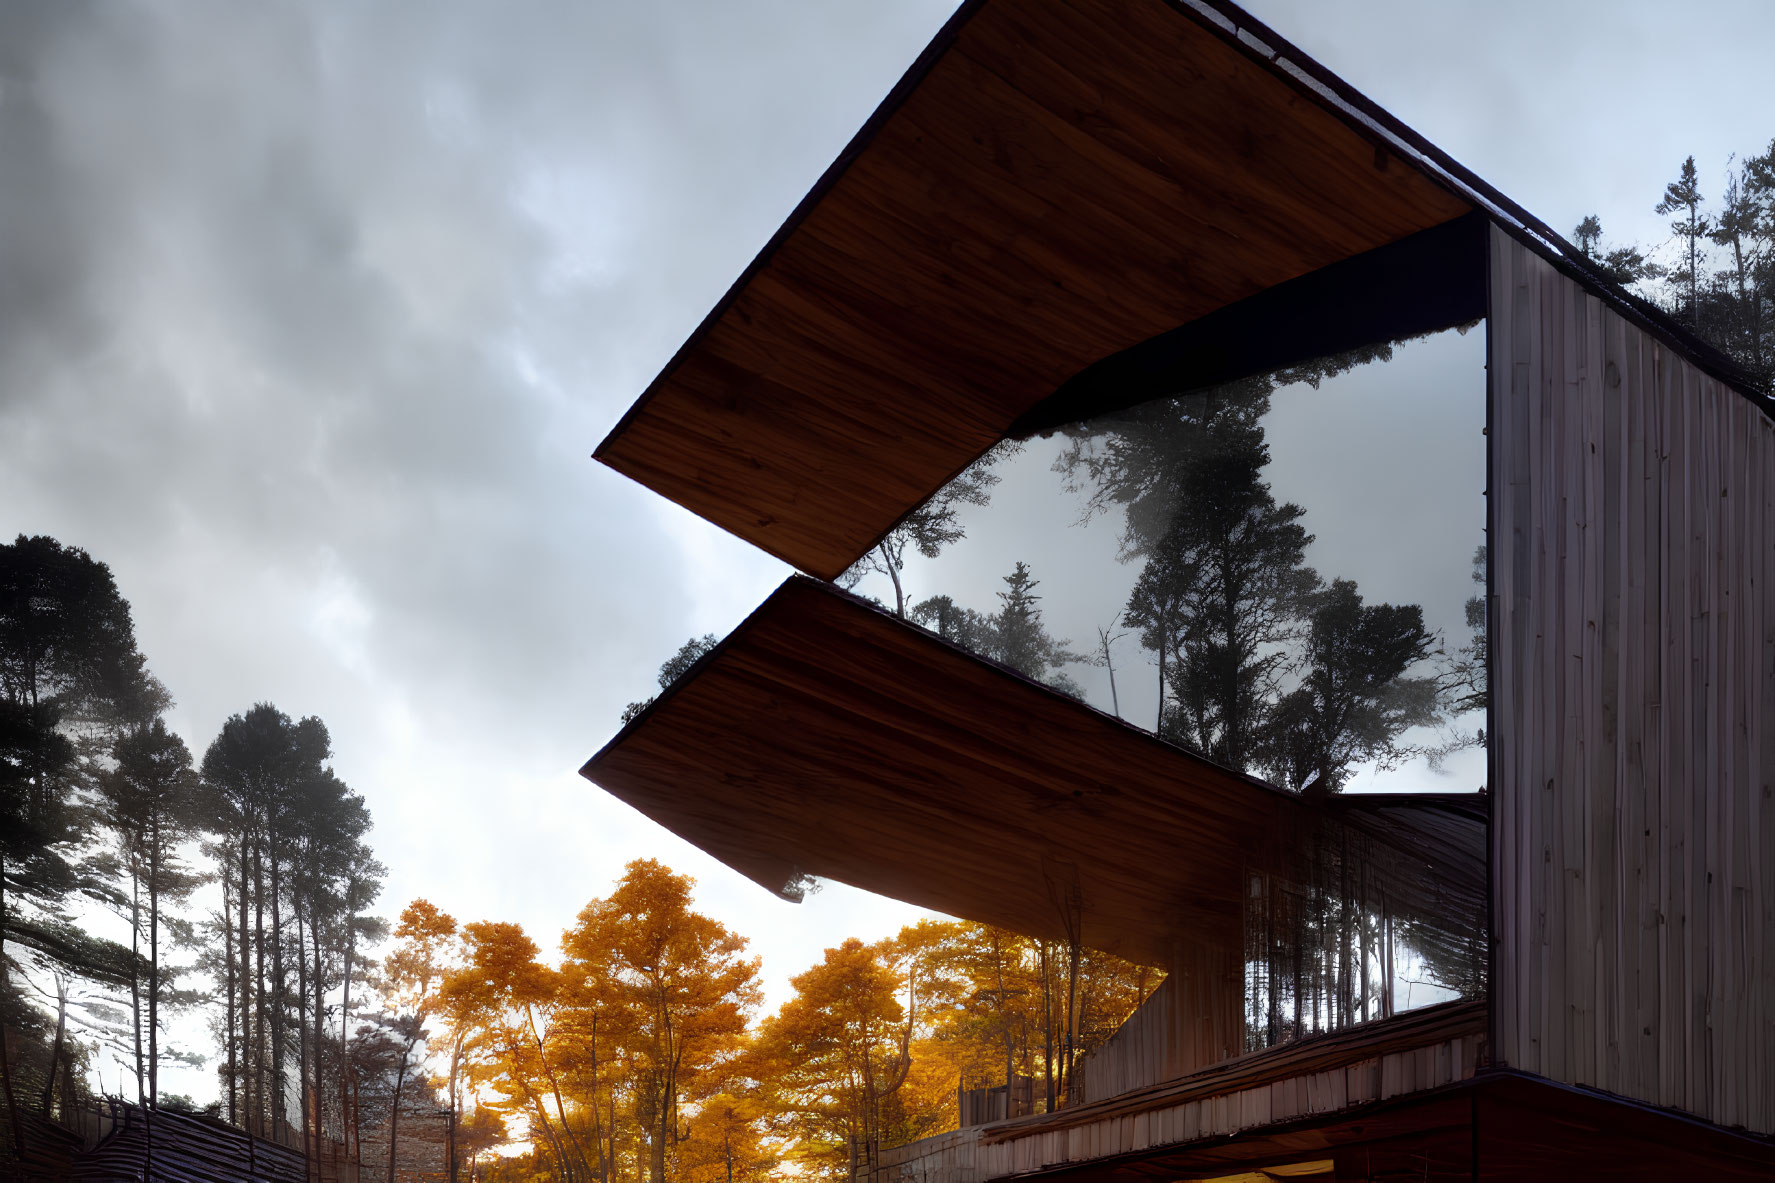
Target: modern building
1102,226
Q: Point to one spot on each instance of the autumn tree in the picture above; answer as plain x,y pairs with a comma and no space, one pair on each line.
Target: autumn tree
414,973
513,999
724,1142
833,1054
672,985
476,1134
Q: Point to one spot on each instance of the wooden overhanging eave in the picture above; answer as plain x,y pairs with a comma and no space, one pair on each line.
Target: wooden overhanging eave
826,737
1050,185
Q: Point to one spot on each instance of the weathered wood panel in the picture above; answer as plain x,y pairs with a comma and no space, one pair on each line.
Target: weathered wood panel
1633,561
1322,1077
1194,1019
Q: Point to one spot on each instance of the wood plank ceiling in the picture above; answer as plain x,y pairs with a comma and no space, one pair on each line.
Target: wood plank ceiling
1067,179
826,737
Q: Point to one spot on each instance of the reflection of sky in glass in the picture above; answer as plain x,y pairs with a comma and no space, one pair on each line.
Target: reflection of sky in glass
1388,461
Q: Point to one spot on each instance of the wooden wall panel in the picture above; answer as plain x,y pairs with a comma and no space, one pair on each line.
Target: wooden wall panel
1194,1019
1633,553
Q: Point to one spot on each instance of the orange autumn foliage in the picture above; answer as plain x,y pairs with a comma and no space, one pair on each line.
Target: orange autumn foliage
643,1057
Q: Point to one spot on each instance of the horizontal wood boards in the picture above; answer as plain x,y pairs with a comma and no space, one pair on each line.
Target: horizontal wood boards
1406,1112
1633,569
1068,179
1285,1104
827,737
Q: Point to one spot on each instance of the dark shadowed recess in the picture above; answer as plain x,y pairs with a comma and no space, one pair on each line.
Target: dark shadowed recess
1426,282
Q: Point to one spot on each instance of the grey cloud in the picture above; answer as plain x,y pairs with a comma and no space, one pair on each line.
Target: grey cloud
310,317
271,268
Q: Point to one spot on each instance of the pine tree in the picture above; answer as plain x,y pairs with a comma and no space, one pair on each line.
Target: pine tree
1356,698
1222,593
152,801
1682,197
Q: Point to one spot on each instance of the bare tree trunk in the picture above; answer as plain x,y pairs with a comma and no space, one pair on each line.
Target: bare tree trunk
18,1130
555,1087
394,1108
153,993
309,1160
135,984
261,1078
344,1033
280,991
893,571
61,1030
597,1120
228,969
154,965
1047,1022
246,986
320,1014
455,1065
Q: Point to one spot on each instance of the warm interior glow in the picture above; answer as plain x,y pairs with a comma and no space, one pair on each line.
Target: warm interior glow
1294,1170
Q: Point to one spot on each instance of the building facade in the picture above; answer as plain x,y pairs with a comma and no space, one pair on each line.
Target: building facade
1116,225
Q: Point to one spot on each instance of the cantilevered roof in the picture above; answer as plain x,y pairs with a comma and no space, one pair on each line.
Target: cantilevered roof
827,737
1053,182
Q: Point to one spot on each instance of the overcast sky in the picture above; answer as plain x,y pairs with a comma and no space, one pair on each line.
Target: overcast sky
311,314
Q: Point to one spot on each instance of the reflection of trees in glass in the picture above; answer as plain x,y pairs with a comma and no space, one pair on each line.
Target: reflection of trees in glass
1014,635
1226,600
1221,592
1465,683
933,525
1356,698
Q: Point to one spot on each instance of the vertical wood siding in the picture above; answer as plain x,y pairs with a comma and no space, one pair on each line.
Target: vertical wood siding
1633,561
1194,1019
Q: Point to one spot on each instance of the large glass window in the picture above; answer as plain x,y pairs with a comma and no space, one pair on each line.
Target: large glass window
1284,574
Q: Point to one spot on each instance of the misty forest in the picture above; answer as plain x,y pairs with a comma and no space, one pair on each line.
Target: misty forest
215,902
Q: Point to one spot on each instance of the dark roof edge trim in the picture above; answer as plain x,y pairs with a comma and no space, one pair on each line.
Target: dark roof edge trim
1258,41
902,90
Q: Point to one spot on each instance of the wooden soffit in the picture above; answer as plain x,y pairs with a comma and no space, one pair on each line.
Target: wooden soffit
1054,181
826,737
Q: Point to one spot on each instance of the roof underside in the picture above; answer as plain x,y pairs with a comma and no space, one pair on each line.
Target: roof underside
826,737
1053,183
